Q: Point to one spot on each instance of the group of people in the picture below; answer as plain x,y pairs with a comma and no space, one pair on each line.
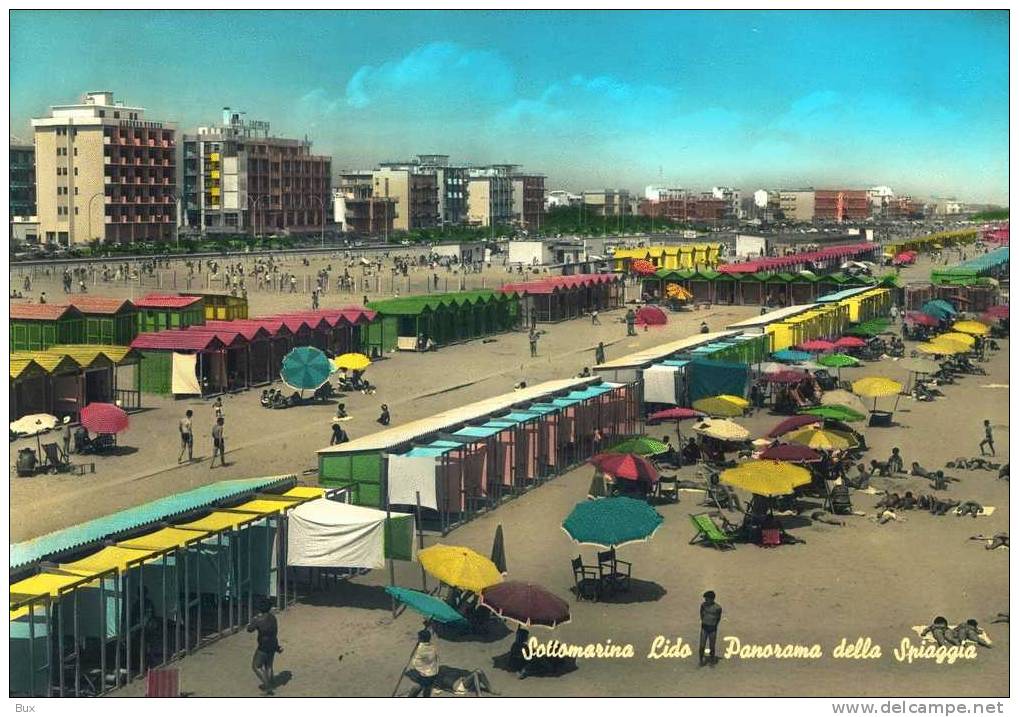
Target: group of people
187,436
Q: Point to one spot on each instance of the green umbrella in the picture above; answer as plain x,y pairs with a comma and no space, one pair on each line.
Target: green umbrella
834,413
428,605
611,522
642,446
872,327
837,360
305,369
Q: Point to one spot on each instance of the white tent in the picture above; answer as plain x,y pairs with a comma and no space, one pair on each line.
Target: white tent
325,533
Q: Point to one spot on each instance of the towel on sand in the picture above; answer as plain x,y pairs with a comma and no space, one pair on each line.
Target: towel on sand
927,638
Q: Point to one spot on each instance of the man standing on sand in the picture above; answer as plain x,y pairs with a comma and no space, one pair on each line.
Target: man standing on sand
532,339
218,444
187,436
711,615
988,438
267,646
599,353
594,318
631,321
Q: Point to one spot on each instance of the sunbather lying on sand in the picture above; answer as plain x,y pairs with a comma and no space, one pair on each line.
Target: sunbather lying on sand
995,541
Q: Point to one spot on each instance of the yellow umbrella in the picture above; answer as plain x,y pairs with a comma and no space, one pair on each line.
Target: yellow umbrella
876,386
822,439
947,342
947,348
722,429
723,405
351,362
971,327
460,567
964,339
767,478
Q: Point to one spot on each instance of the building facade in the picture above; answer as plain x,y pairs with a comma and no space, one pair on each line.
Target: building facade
840,205
562,198
22,180
607,202
451,184
528,200
797,205
703,208
414,194
105,172
356,210
239,179
490,195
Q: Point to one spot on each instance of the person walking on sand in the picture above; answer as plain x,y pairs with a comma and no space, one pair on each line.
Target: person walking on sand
532,339
599,353
187,436
218,444
988,438
266,646
711,615
594,318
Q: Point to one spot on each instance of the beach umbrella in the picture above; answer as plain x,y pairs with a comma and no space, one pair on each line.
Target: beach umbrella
822,439
964,339
850,342
675,414
989,319
499,550
612,522
817,346
722,430
920,318
643,267
767,478
626,466
34,424
939,309
791,424
104,418
526,604
305,369
722,405
919,365
838,361
876,387
872,327
428,605
841,397
651,316
351,362
835,413
460,567
787,376
641,445
944,348
790,452
998,310
790,356
949,342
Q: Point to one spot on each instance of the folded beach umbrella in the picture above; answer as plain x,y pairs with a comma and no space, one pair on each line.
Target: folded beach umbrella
627,466
675,414
850,342
876,387
499,550
821,439
791,453
460,567
428,605
722,430
641,445
838,361
835,413
790,356
612,522
840,397
305,369
767,478
526,604
964,339
104,418
817,346
351,362
722,405
791,424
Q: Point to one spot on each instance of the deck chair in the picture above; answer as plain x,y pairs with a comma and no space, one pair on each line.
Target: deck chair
162,682
586,580
708,532
668,488
56,459
614,573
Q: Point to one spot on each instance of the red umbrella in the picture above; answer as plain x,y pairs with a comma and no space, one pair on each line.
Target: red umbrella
784,377
675,414
791,452
791,424
104,418
642,266
652,316
990,318
627,466
918,317
850,342
817,345
998,310
526,604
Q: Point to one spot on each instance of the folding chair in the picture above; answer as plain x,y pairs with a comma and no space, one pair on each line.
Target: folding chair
708,532
586,580
610,570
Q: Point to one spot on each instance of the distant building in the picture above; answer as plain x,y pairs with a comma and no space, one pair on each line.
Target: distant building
732,197
528,200
607,202
902,208
562,198
451,184
841,205
879,198
103,171
490,195
761,198
356,210
22,179
414,193
655,193
797,205
689,207
239,179
949,207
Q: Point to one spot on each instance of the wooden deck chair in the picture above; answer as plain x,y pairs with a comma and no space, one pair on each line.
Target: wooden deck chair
708,532
162,682
586,580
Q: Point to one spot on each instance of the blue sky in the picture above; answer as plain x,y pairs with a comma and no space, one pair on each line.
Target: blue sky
916,100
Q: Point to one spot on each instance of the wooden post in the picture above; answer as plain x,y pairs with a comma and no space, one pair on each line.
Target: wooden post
421,538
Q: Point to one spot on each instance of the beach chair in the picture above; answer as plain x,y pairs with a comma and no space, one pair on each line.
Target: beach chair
162,682
586,580
611,571
708,532
668,488
56,459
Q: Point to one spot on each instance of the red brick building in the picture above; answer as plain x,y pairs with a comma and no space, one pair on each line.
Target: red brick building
840,205
687,209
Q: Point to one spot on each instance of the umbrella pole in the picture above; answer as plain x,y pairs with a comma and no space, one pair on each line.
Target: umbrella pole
421,539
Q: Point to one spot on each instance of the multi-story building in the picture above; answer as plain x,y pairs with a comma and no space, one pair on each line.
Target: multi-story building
528,200
415,195
239,179
949,207
452,183
103,171
607,202
356,210
490,195
730,196
656,193
562,198
688,207
879,198
22,182
840,205
797,205
902,208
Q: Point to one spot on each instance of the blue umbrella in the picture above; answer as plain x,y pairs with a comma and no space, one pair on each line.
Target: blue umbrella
939,309
611,522
428,605
305,369
791,355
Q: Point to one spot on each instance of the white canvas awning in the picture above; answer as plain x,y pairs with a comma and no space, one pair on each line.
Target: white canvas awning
327,534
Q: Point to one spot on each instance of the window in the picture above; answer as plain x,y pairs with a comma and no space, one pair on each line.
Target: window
75,191
102,113
76,210
75,172
75,151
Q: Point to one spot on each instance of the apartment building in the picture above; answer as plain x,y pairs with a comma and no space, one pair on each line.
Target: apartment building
414,194
357,210
687,207
239,179
797,205
103,171
840,205
490,195
452,184
22,179
562,198
528,200
607,202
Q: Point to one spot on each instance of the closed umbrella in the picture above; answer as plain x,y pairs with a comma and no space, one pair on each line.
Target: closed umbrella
104,418
675,414
835,413
351,362
722,405
722,430
766,478
641,445
612,522
499,550
791,424
526,604
428,605
850,342
626,466
460,567
822,439
305,369
790,452
790,356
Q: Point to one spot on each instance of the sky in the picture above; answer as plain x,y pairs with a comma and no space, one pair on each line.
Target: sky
917,100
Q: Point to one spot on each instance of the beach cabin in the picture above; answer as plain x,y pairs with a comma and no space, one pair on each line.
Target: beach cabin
221,306
36,327
157,312
109,322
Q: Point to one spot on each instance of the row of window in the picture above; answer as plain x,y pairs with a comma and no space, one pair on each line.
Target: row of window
63,211
62,171
62,151
63,191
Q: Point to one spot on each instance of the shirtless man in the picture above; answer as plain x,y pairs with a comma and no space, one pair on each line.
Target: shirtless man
969,630
997,540
971,508
942,634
